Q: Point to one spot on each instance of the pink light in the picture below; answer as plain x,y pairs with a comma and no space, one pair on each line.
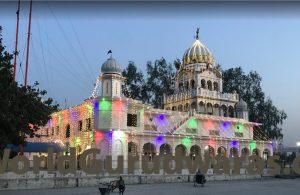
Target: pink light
117,105
212,143
98,136
251,128
208,125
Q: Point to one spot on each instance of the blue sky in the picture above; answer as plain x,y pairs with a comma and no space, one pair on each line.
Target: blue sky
68,47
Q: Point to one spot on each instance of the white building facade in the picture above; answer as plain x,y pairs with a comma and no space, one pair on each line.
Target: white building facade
197,119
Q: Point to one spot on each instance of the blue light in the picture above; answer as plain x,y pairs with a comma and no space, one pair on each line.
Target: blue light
161,120
160,139
225,125
234,143
161,117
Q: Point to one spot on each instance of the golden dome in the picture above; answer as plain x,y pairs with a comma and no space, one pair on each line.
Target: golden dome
197,53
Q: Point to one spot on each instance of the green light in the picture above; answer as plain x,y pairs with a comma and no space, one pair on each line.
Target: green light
89,108
91,135
59,119
105,105
186,142
192,124
252,145
77,141
240,128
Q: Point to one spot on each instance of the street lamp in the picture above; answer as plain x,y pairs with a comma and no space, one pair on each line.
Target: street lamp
298,147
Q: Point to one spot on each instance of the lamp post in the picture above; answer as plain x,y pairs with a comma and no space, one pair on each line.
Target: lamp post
298,147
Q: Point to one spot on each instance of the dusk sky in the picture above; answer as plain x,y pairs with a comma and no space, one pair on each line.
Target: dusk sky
70,42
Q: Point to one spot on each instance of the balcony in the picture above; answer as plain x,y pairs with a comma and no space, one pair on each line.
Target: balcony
179,96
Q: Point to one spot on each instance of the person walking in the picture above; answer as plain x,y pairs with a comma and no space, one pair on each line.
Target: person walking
121,185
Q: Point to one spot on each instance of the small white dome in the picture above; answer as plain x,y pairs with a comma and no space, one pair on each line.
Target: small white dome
111,66
241,105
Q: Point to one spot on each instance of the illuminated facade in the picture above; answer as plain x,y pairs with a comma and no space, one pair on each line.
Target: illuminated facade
198,118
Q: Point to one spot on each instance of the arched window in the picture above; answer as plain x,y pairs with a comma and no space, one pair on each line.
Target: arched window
180,150
201,108
195,151
116,88
245,152
266,154
209,109
194,105
187,85
106,87
209,85
216,110
234,152
180,86
222,151
57,130
192,84
180,108
68,131
132,148
203,84
165,149
224,112
216,86
256,152
230,111
186,107
209,150
149,150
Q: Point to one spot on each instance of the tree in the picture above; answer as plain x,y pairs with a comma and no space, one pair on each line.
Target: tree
134,83
261,109
160,81
177,64
23,109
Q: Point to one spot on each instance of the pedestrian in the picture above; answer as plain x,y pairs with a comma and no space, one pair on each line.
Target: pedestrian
121,185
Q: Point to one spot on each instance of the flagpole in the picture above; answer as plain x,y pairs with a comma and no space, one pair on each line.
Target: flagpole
28,44
17,39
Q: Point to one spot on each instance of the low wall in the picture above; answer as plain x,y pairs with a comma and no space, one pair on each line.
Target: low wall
44,180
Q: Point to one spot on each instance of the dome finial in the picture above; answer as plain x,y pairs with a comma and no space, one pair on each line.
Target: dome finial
109,52
197,33
197,53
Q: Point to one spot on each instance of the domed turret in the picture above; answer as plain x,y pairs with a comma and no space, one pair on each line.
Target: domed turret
242,110
111,66
242,105
111,78
197,53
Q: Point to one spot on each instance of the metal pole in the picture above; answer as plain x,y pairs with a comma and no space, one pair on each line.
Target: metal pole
17,40
28,44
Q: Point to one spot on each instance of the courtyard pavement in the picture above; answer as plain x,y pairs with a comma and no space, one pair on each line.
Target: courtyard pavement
245,187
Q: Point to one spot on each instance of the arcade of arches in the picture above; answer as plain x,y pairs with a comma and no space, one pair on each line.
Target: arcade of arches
210,85
150,149
207,108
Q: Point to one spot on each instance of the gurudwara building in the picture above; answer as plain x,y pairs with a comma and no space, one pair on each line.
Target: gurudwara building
197,119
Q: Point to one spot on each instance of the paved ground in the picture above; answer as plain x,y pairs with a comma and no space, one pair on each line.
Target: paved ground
250,187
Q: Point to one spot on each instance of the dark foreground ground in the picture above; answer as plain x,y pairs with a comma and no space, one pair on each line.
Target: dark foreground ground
249,187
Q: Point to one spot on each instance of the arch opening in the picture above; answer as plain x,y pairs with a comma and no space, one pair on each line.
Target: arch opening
165,149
